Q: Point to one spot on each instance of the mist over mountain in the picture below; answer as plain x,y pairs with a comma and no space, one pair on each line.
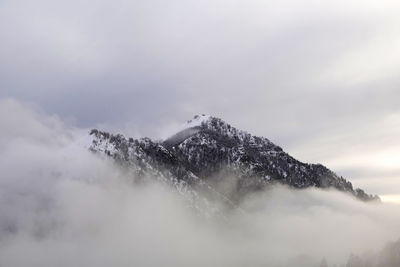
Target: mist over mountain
210,154
296,165
63,205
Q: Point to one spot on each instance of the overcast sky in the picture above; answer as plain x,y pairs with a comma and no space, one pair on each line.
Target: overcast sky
319,78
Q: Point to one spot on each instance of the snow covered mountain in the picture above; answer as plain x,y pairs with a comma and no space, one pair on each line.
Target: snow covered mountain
210,155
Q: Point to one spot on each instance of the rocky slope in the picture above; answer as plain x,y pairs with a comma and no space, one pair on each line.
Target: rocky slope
210,155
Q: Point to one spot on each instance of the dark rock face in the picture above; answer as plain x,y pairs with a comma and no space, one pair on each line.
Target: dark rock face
209,152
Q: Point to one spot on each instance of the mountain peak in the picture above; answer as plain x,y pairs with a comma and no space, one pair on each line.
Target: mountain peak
207,146
197,120
189,128
206,124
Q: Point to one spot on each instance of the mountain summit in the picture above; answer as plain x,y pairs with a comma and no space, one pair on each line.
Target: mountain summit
209,153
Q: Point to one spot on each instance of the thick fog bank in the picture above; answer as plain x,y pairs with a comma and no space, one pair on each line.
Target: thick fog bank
61,205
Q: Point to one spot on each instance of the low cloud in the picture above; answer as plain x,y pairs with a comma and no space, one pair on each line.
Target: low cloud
61,205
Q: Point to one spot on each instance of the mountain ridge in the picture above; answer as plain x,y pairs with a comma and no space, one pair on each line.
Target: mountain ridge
208,152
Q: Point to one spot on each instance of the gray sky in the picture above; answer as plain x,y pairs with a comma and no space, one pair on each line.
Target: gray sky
320,78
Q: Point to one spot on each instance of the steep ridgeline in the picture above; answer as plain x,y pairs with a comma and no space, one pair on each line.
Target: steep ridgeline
210,155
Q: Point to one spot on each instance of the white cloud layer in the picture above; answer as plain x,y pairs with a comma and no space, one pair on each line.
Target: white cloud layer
63,206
